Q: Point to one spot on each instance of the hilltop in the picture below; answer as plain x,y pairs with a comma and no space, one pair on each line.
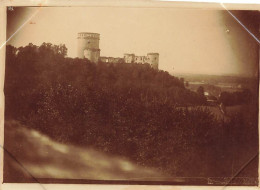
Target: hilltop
126,109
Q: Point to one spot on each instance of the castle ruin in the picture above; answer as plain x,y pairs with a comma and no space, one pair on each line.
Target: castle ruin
151,58
88,47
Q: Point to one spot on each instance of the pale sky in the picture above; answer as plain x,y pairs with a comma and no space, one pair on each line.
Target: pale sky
188,40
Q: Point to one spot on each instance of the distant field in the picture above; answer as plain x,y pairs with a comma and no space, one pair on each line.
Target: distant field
215,84
216,79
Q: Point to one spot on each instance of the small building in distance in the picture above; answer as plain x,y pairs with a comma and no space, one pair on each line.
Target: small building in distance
211,100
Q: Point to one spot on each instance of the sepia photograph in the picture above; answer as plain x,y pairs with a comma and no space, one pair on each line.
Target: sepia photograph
131,95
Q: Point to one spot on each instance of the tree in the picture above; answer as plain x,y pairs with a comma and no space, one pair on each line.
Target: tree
187,84
235,98
202,97
127,109
200,90
182,81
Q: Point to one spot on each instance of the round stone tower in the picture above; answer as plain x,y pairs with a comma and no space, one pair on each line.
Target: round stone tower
153,60
88,46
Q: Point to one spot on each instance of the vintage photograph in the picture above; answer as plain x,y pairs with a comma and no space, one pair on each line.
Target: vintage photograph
131,95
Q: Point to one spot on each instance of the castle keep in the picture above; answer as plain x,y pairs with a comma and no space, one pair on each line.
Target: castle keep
88,47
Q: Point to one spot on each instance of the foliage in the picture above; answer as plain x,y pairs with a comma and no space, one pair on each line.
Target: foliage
130,110
235,98
200,92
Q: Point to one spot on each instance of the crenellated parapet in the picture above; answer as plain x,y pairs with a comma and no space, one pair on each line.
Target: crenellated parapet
88,35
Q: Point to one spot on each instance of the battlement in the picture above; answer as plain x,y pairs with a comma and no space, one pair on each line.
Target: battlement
88,35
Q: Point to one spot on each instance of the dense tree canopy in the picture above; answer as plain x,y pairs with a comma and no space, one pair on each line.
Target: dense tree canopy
126,109
235,98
